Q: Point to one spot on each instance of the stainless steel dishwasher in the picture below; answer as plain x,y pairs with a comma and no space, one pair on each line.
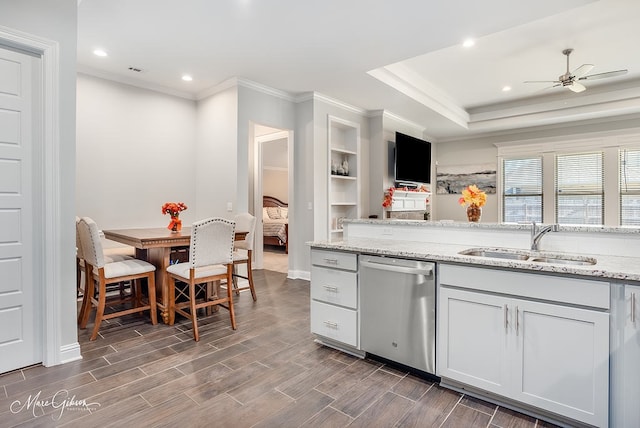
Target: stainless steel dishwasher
397,310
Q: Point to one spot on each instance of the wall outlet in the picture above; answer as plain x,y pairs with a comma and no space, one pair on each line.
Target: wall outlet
229,206
387,231
309,206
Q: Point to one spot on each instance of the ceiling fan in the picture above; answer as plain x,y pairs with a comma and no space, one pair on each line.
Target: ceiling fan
570,79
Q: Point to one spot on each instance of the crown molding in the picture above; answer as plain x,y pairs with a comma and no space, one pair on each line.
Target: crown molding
316,96
81,69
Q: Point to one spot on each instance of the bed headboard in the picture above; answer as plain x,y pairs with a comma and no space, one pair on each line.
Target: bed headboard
270,201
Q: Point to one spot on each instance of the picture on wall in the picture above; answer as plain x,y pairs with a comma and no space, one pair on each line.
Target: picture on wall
453,178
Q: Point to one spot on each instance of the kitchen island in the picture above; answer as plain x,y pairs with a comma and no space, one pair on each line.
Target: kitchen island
552,332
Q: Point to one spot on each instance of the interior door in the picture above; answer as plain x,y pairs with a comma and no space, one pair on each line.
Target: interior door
20,334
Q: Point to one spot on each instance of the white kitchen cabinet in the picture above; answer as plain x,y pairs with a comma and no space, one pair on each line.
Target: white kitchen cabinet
343,185
334,299
625,386
550,356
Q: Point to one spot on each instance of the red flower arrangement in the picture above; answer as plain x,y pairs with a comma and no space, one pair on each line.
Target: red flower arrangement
174,209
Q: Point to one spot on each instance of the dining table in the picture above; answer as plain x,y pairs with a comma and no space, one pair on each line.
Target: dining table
155,245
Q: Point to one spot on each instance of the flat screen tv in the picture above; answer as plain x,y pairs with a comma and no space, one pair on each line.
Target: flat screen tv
412,160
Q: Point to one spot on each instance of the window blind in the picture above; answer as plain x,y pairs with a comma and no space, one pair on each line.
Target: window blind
630,187
522,190
579,188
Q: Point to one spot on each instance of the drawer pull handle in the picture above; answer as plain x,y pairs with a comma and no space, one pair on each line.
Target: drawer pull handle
517,320
331,261
506,317
331,324
633,307
331,288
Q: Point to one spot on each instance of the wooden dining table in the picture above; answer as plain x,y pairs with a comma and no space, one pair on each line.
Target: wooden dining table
154,245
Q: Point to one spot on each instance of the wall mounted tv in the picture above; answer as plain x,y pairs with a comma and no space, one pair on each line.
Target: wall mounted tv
412,160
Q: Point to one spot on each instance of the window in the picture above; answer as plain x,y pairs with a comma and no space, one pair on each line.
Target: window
522,190
630,187
579,188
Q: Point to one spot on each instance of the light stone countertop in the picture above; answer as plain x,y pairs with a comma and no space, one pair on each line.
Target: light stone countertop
634,230
607,267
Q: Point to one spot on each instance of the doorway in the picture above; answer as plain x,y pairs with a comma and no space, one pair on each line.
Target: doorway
273,202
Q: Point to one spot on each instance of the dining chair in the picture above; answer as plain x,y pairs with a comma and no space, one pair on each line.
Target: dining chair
243,250
111,255
102,272
210,260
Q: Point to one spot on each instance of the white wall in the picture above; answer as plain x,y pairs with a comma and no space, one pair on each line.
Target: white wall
58,21
464,153
216,155
135,151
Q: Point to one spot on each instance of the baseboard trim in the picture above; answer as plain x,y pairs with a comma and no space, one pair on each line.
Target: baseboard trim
70,353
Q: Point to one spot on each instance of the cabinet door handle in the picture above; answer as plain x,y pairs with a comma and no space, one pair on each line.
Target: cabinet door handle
331,324
517,320
331,288
633,307
506,317
331,261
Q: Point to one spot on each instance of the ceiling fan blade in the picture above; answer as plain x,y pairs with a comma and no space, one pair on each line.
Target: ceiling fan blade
576,87
541,81
582,70
604,75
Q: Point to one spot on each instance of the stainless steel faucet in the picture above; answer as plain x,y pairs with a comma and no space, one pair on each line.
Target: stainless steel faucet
538,232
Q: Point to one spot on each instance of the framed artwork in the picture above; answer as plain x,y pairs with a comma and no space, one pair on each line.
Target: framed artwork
452,179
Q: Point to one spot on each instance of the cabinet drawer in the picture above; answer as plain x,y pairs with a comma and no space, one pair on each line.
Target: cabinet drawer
333,259
334,322
334,286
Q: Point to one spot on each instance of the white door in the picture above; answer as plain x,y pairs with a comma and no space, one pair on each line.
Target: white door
562,360
472,339
20,334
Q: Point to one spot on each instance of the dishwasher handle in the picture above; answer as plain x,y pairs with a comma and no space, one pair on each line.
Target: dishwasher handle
400,269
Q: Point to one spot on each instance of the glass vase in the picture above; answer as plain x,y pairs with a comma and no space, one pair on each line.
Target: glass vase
474,213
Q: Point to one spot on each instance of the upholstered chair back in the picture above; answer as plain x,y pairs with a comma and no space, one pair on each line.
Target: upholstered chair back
90,242
211,242
244,222
79,252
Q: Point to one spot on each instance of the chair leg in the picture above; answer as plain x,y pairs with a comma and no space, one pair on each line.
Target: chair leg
89,285
235,280
232,314
194,314
250,277
172,300
102,298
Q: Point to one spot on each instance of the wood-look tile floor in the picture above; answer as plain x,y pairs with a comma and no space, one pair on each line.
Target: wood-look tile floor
267,373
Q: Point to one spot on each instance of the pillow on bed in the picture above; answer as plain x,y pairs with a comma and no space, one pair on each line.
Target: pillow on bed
273,212
284,212
265,214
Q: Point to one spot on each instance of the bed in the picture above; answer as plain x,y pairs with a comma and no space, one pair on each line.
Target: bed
275,222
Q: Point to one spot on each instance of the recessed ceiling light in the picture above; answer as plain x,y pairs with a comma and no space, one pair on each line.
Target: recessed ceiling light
506,88
99,52
187,78
468,43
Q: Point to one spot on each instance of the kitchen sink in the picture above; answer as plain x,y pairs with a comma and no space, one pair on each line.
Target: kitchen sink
529,256
498,254
585,261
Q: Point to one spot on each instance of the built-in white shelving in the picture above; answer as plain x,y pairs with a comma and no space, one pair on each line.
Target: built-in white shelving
343,179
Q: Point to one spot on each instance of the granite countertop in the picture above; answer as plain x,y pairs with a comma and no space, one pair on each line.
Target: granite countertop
606,267
634,230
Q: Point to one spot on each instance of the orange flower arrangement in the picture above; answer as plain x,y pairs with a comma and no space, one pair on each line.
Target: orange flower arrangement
473,196
174,209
